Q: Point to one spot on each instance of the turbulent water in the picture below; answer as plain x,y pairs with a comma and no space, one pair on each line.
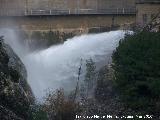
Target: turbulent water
57,66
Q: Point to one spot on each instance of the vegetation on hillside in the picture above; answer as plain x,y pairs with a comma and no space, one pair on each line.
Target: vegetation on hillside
135,72
136,64
60,107
90,77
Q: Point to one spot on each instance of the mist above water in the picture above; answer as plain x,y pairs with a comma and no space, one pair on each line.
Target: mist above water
57,66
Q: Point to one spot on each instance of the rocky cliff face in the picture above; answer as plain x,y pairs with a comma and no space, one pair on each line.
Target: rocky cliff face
15,93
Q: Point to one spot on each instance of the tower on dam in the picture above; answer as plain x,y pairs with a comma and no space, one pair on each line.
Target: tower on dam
147,10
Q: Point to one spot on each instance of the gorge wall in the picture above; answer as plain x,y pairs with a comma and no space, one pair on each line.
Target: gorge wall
15,93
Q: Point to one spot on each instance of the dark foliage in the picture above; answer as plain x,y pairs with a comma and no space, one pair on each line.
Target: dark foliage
90,75
104,88
136,64
38,112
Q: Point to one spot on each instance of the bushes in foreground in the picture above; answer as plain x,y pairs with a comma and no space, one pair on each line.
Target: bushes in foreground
60,107
136,64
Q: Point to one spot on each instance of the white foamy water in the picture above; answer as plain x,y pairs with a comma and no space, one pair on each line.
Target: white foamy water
57,66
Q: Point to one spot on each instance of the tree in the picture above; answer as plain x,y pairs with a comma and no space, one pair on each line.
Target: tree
90,76
136,64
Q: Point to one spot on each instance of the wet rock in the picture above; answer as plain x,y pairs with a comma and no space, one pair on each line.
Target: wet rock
15,93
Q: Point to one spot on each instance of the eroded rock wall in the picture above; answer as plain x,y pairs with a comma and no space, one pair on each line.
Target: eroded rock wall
15,93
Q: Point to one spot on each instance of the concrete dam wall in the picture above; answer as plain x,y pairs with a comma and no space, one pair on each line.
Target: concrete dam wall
66,23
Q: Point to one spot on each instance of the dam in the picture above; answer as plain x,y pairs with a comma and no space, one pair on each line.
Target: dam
66,15
76,15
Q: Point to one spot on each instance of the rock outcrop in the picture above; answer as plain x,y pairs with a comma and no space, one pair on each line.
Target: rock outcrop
15,93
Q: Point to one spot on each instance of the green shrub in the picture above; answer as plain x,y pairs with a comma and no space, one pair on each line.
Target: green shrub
90,75
38,112
59,107
136,64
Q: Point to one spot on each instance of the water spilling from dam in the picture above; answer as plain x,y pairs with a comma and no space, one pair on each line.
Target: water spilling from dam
57,66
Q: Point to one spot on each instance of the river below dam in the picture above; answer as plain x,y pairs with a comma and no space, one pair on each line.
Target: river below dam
57,66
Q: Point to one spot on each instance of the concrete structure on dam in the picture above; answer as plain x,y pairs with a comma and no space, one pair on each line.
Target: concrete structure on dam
147,10
69,15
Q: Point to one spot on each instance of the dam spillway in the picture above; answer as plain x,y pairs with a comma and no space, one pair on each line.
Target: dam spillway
57,66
